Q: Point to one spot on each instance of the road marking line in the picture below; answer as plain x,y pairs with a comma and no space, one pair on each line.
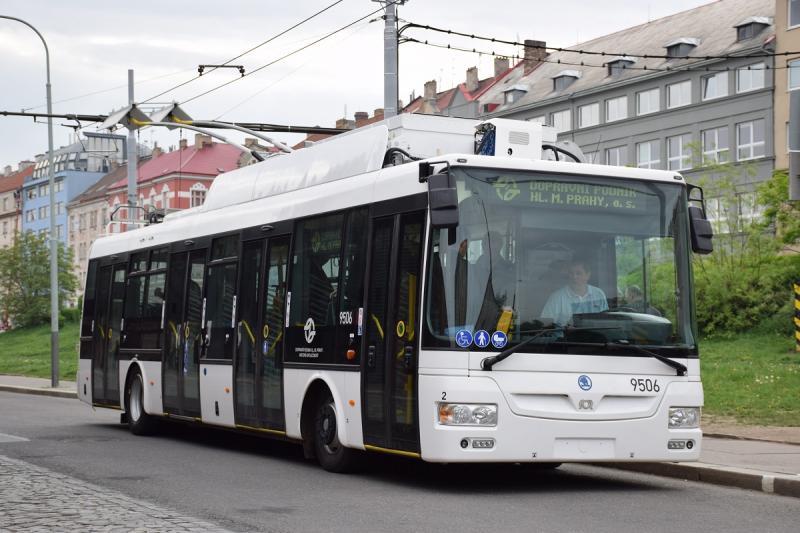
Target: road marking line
11,438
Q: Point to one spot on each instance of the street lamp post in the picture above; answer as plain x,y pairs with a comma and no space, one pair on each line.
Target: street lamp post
53,236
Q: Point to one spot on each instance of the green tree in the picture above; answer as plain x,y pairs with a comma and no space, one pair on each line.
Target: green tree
25,279
779,212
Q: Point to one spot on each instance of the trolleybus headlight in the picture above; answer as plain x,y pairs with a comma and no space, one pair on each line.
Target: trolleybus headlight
467,414
684,417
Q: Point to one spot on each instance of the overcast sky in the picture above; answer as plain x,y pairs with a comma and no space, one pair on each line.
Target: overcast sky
93,43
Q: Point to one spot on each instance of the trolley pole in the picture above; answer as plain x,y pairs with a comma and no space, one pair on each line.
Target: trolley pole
53,235
132,157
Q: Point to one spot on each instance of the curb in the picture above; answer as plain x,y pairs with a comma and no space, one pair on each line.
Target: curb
59,393
782,484
739,437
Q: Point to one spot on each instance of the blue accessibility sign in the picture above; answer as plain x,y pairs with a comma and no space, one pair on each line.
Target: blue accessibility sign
481,338
463,338
499,339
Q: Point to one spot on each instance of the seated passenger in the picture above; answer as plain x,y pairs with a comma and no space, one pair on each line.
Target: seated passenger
576,297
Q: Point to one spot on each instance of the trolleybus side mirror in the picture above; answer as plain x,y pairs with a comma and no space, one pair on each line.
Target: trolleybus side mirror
701,231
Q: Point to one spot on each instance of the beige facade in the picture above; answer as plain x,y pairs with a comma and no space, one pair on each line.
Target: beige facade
9,218
787,34
87,221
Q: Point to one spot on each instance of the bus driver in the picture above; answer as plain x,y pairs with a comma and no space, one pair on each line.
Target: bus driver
577,296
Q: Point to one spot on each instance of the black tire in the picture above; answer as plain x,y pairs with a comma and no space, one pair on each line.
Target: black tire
331,454
139,422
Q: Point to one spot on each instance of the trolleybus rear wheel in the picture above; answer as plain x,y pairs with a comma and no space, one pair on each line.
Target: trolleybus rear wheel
331,454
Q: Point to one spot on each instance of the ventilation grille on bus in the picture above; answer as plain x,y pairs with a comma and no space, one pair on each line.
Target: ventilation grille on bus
519,137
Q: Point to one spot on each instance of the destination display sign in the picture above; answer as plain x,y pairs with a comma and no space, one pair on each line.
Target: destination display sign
574,195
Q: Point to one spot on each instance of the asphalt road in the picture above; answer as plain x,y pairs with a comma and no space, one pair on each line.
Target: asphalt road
247,483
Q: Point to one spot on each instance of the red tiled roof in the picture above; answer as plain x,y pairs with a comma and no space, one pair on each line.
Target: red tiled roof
209,161
15,180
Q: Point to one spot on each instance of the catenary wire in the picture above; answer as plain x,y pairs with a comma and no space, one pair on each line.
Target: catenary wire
280,34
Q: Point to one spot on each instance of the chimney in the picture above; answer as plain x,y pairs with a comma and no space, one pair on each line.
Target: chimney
472,79
250,142
379,112
183,144
361,117
535,52
7,170
500,65
345,124
157,151
201,141
430,90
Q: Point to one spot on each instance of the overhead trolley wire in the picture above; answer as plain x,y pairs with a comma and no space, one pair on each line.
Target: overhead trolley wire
604,65
286,56
593,52
280,34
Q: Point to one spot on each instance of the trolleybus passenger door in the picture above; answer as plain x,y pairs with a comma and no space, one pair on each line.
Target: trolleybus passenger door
183,335
389,377
259,333
108,322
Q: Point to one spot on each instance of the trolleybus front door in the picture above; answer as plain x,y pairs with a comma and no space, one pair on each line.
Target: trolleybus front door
184,340
108,321
259,333
389,368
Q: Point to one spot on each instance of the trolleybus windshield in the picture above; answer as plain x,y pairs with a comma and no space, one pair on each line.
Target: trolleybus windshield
600,260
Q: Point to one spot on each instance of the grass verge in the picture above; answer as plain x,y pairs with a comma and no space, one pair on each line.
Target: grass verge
26,351
752,377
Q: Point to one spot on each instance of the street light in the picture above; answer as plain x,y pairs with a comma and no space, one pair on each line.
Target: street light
53,236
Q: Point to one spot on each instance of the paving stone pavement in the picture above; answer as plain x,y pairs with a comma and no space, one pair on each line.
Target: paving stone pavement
34,499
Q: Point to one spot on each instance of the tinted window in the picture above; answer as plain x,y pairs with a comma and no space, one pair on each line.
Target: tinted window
315,289
225,247
88,300
220,301
351,296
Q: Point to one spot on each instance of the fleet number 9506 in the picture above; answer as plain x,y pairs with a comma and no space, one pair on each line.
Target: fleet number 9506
645,385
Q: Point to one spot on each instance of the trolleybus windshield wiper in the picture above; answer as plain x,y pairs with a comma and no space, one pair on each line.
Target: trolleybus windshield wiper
679,367
489,362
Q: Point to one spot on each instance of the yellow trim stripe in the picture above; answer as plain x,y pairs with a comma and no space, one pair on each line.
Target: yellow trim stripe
262,430
249,332
392,452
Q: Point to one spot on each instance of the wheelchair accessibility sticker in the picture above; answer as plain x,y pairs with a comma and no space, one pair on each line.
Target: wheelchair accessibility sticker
463,338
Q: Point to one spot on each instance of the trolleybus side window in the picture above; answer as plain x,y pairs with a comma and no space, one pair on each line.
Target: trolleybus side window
88,300
351,297
314,290
221,298
144,300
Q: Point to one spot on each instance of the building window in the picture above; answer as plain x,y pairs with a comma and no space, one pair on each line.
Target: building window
5,204
60,231
59,186
715,145
30,215
647,155
616,108
5,228
747,208
794,13
679,156
93,219
562,82
679,94
680,49
541,119
105,216
198,195
715,85
617,156
59,208
44,212
561,120
750,78
794,74
82,222
589,115
647,101
31,193
165,197
750,140
44,189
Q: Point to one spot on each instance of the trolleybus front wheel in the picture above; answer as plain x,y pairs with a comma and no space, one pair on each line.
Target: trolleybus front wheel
331,454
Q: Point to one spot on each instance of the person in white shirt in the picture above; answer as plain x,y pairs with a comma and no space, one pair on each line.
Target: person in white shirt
577,296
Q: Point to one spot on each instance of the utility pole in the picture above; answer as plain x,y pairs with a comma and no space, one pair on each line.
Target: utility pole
133,157
390,58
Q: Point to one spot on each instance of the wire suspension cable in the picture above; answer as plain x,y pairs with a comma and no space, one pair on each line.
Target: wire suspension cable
282,33
290,54
592,52
604,65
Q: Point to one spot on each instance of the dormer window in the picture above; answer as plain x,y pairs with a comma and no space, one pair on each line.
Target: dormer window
618,65
564,79
681,47
750,27
514,93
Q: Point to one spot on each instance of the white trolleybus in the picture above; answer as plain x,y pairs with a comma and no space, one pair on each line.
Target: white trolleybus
432,287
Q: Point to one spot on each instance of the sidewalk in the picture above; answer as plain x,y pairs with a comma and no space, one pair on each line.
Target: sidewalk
750,457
